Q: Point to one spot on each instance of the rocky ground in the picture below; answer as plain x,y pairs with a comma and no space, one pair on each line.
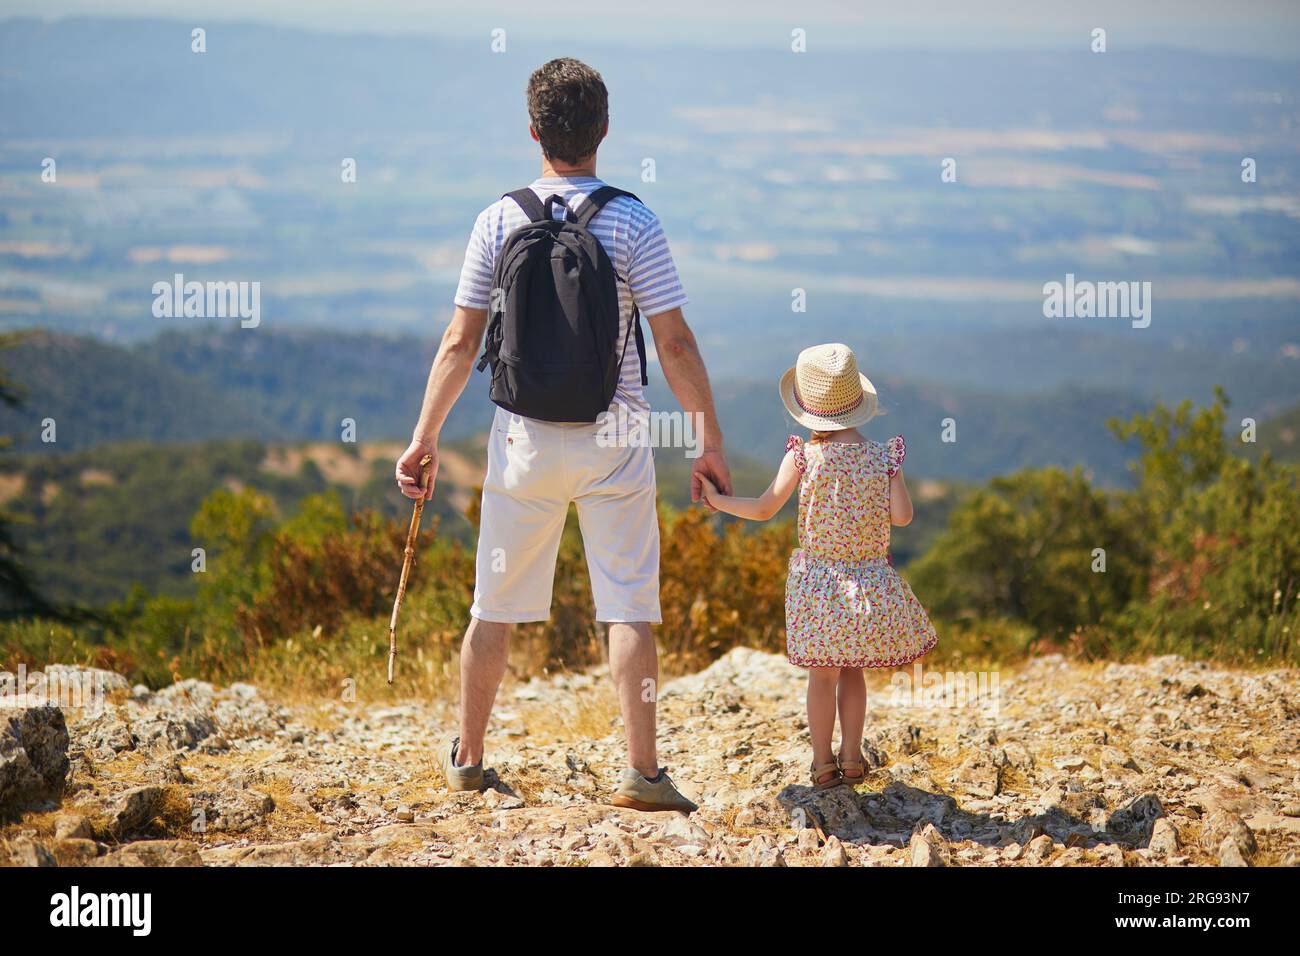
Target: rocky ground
1167,762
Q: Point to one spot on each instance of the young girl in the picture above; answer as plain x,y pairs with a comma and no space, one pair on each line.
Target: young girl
846,608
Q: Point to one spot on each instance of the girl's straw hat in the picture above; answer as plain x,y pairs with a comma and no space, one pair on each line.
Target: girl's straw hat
825,391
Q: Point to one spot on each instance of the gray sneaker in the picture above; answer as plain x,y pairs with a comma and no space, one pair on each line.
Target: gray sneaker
637,793
461,778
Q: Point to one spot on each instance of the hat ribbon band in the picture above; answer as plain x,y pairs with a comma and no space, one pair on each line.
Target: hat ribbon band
826,412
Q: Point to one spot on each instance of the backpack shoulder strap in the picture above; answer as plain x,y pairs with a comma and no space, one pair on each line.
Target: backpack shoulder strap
527,200
596,202
640,344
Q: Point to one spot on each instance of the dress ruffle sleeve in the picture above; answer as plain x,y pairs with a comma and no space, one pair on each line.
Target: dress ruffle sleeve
896,451
795,444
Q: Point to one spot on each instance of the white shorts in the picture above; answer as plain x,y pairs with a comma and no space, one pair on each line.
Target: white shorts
535,469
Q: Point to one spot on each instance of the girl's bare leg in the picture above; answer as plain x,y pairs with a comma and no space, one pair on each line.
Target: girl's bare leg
821,712
853,713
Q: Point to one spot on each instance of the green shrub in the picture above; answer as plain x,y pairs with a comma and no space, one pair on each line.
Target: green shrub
1202,555
1225,535
1030,547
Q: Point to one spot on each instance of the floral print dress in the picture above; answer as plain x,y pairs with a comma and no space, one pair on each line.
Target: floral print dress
845,605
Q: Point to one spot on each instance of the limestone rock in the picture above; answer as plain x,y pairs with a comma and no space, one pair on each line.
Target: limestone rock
24,851
678,830
926,847
152,853
180,727
1039,849
980,776
833,854
1230,853
837,811
1134,821
230,811
33,754
1115,757
104,733
1017,755
89,679
1230,838
1164,838
123,814
73,826
761,852
75,852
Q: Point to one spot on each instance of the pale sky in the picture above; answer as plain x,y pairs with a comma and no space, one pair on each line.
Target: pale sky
1266,27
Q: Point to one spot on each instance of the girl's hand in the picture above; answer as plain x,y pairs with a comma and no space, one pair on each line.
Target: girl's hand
713,466
708,491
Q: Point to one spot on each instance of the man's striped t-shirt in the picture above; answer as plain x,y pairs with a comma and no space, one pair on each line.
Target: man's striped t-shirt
633,239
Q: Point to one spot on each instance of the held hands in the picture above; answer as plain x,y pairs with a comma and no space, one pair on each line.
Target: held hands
710,467
408,468
708,492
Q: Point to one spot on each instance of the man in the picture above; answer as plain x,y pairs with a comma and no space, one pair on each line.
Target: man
537,468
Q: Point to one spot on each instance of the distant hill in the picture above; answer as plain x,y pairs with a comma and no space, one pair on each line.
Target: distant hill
98,393
192,387
994,434
301,386
306,382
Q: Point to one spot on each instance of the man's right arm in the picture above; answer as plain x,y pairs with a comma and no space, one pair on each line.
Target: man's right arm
447,379
679,357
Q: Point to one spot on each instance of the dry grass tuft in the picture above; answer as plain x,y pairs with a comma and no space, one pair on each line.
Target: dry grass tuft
290,817
176,815
590,714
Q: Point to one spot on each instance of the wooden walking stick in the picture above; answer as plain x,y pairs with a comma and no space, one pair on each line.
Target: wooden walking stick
412,533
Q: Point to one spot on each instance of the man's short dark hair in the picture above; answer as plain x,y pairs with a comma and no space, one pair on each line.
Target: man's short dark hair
568,106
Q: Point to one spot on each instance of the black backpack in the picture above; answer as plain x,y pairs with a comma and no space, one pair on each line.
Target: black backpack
553,334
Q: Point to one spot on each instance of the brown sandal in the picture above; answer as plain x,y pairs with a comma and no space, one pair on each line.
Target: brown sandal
833,769
859,765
